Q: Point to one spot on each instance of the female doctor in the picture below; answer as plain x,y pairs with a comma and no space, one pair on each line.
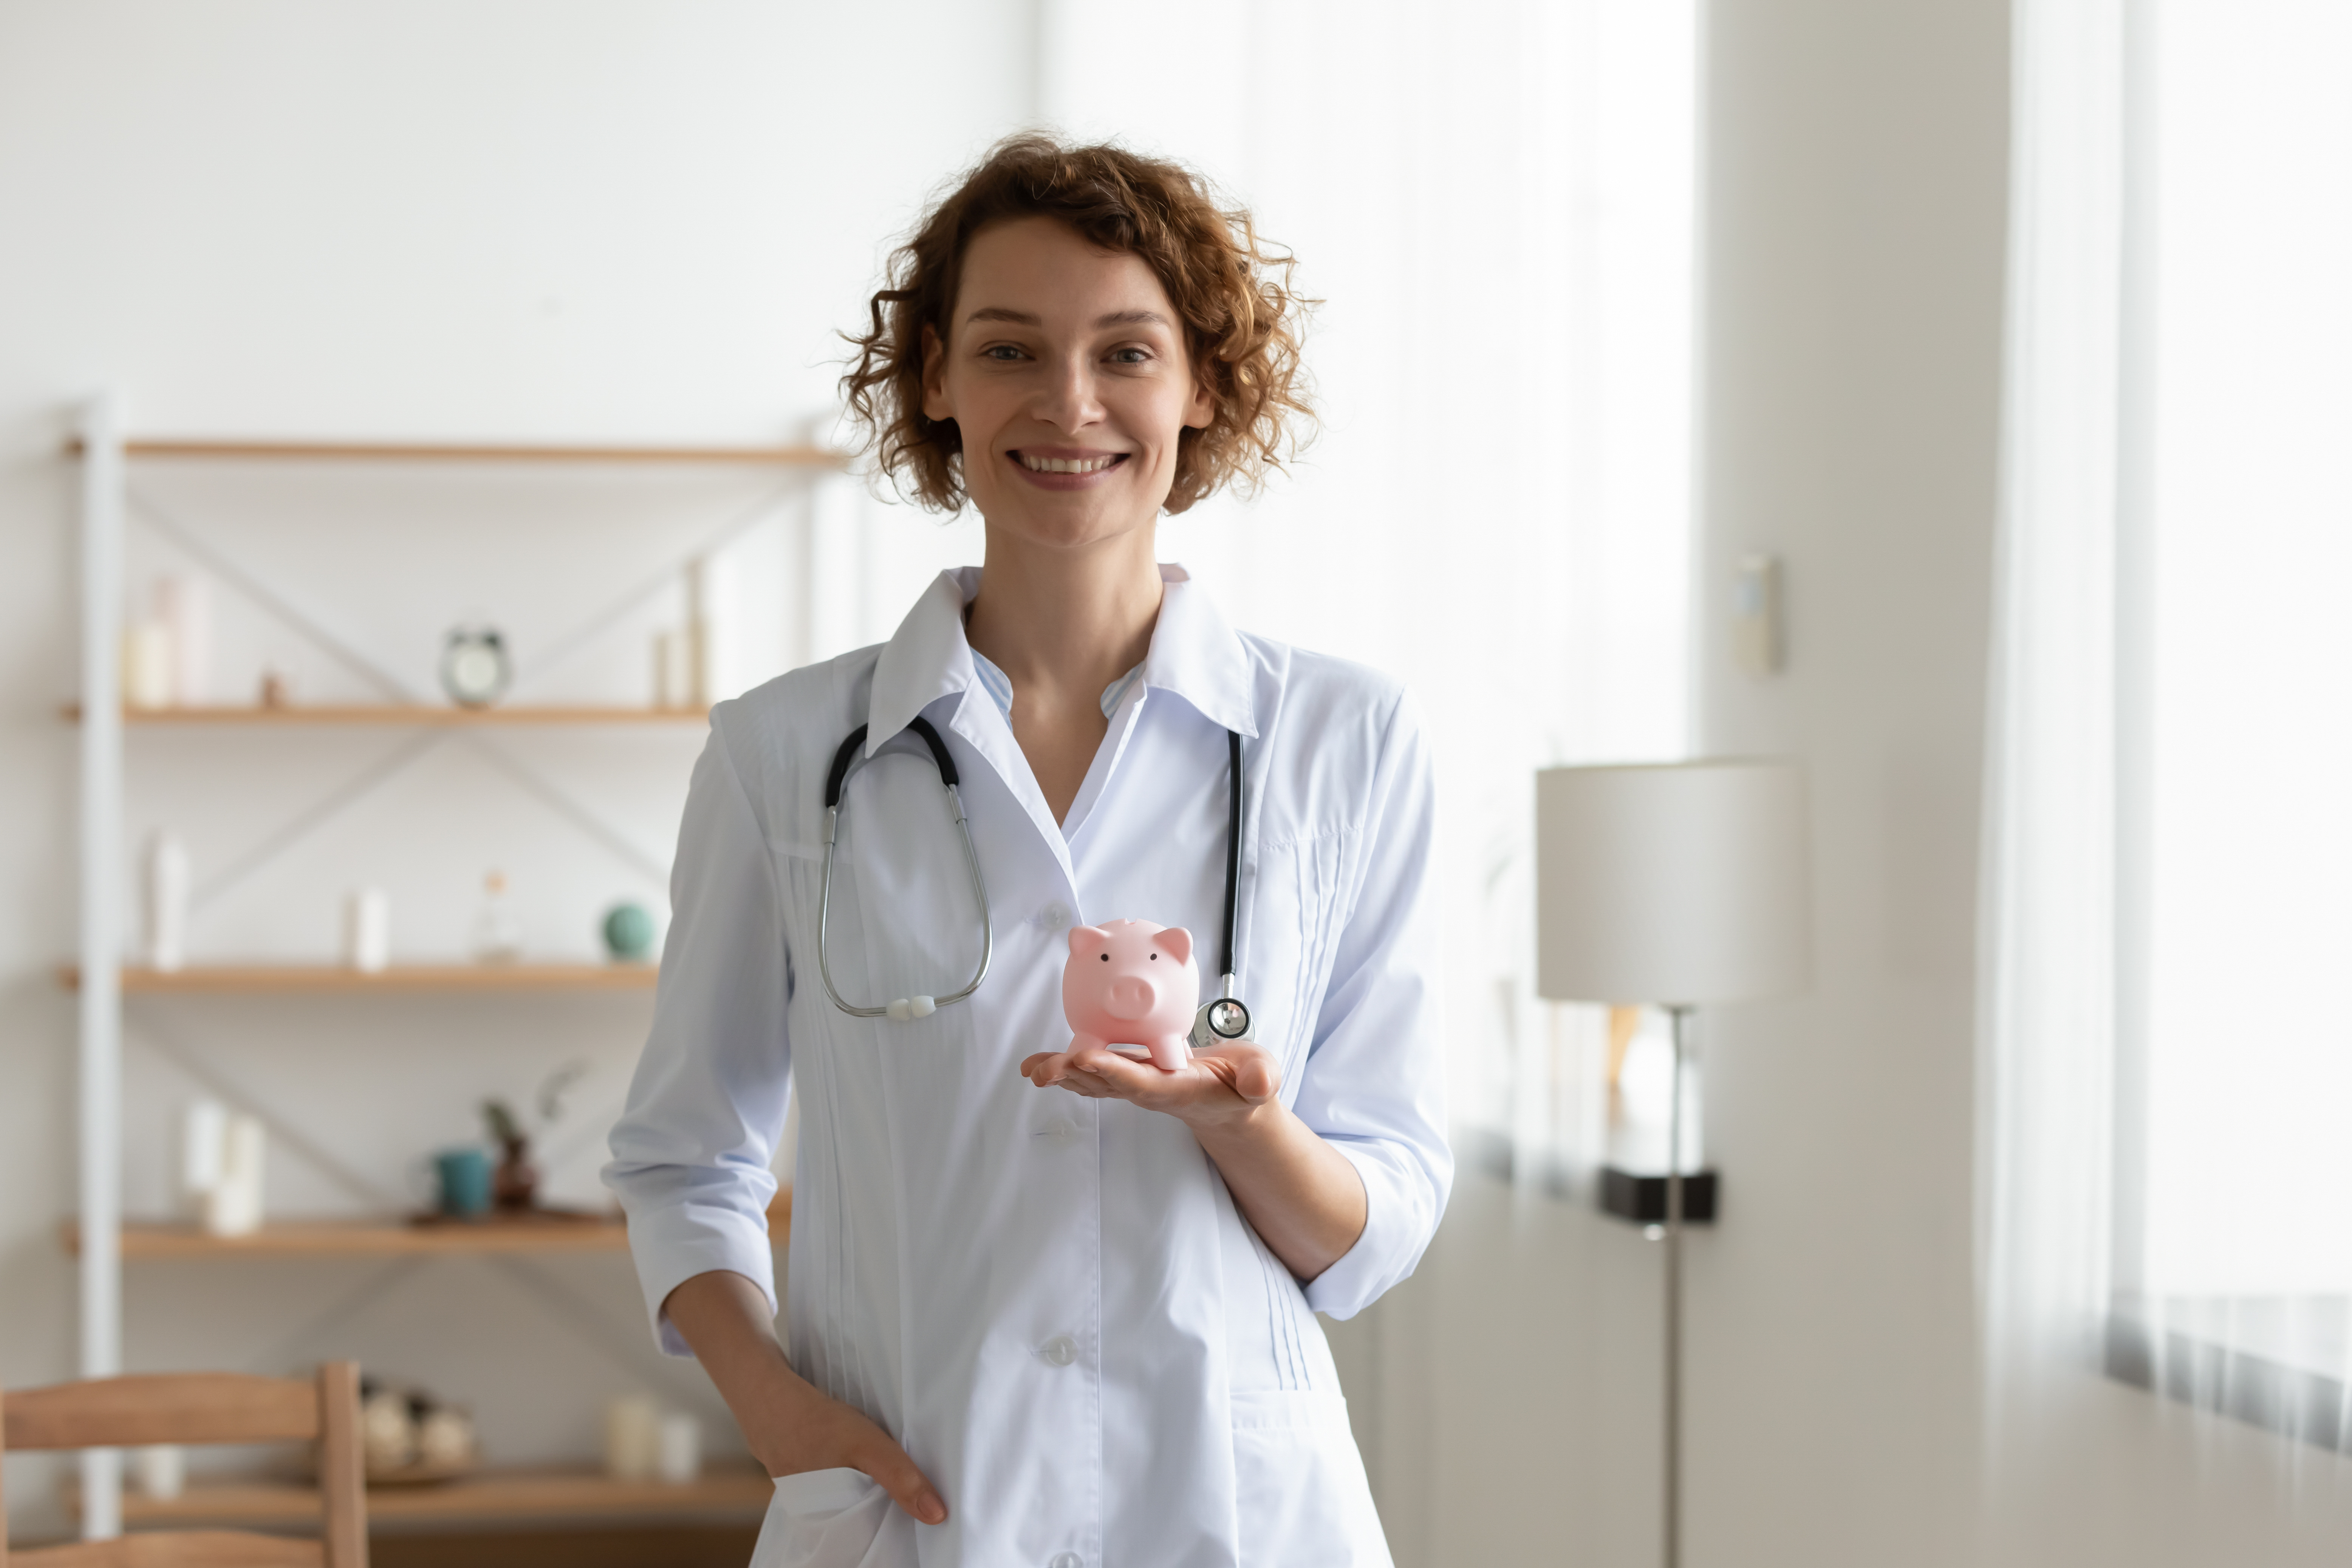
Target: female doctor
1047,1306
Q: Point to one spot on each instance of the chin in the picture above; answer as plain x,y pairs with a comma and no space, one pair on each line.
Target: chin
1063,527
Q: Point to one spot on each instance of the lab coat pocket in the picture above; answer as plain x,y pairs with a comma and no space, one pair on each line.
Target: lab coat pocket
833,1519
1299,1484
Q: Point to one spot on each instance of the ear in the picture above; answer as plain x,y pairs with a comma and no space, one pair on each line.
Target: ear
1086,940
934,373
1175,942
1202,411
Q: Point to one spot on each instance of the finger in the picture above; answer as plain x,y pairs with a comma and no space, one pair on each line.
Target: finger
1122,1076
908,1487
1046,1068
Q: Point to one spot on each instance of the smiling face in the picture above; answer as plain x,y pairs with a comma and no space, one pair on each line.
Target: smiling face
1065,371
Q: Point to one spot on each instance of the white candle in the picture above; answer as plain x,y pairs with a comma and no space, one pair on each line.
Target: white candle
183,605
367,930
681,1449
161,1469
233,1207
632,1438
147,666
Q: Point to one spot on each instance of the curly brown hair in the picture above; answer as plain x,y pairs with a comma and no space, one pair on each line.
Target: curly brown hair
1241,320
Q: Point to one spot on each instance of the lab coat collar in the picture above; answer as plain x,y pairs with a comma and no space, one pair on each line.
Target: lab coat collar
925,659
1194,655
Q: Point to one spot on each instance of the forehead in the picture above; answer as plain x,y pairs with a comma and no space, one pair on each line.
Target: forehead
1043,268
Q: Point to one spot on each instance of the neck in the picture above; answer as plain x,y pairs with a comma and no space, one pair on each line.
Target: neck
1064,622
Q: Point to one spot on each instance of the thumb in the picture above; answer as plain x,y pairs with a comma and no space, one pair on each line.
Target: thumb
896,1474
1254,1075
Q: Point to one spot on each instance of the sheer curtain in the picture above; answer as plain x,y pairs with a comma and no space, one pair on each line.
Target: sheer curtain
1495,200
2169,860
2048,943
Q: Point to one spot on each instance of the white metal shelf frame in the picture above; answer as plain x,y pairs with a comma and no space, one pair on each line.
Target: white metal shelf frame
102,449
100,1089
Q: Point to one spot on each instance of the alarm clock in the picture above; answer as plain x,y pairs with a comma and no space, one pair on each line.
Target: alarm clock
475,668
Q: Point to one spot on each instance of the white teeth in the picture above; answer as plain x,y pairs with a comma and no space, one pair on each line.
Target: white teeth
1065,464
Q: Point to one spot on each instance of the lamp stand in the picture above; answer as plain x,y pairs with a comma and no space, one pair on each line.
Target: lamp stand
1673,1532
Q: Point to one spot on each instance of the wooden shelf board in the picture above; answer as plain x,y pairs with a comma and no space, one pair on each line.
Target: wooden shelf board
791,456
731,1490
406,715
286,979
392,1238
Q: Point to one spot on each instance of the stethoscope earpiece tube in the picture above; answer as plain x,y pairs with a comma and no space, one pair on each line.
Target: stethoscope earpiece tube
1232,851
905,1009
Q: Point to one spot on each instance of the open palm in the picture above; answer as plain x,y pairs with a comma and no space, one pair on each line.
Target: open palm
1221,1083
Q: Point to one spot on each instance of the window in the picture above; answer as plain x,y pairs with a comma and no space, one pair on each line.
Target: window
2236,737
2166,1073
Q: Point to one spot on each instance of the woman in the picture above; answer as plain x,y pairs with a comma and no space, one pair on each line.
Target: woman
1048,1306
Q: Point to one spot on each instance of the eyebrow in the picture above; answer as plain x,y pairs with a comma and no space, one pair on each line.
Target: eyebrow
1024,319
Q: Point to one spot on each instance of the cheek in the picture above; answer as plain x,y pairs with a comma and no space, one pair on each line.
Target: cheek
1159,419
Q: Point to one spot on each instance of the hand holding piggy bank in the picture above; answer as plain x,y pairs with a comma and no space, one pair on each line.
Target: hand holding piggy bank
1132,986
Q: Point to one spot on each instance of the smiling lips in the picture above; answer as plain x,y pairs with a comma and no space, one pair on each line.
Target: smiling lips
1076,463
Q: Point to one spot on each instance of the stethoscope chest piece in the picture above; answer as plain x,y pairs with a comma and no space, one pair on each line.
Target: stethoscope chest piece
1223,1022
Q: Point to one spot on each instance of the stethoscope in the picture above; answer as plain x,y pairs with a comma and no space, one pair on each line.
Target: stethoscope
1223,1019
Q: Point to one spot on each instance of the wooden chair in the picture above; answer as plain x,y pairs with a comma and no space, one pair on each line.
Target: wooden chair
203,1407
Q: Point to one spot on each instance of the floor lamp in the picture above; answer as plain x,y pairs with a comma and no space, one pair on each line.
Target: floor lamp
1679,885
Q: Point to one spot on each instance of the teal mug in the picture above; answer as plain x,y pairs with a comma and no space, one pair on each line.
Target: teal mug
465,1176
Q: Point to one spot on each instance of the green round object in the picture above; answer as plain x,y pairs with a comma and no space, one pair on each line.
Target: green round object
628,933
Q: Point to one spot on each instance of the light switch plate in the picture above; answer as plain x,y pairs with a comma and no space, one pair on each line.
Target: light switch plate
1758,643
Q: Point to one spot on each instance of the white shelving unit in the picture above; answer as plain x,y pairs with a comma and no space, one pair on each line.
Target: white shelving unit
102,978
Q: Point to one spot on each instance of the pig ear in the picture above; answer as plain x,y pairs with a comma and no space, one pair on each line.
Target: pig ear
1175,942
1084,940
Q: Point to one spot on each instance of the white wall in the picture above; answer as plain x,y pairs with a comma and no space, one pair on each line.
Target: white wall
555,221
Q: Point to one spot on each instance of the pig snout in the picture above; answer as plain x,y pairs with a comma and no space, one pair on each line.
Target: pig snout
1130,997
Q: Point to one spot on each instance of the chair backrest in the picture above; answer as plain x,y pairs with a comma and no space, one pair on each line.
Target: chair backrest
203,1407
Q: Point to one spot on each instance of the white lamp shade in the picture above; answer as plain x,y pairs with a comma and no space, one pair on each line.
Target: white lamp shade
1675,884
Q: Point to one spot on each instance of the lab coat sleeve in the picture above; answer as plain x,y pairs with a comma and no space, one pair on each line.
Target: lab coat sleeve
1374,1081
691,1151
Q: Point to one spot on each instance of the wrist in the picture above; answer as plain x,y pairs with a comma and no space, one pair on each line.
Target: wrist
1237,1124
776,1410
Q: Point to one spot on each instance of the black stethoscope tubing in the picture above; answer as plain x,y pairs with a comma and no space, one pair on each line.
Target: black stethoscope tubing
905,1008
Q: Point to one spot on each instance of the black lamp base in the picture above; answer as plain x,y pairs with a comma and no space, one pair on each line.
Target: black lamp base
1642,1199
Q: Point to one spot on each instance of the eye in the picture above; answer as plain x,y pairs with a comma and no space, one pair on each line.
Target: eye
1106,958
1155,958
1130,356
1004,353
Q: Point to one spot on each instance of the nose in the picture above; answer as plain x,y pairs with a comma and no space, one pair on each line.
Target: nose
1131,997
1068,399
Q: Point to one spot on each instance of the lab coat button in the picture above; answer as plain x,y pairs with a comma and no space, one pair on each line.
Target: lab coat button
1061,1350
1067,1559
1053,917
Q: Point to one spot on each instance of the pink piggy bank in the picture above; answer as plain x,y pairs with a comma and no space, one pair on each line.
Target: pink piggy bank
1132,986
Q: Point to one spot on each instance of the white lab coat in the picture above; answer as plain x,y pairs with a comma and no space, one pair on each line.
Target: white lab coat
1050,1301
